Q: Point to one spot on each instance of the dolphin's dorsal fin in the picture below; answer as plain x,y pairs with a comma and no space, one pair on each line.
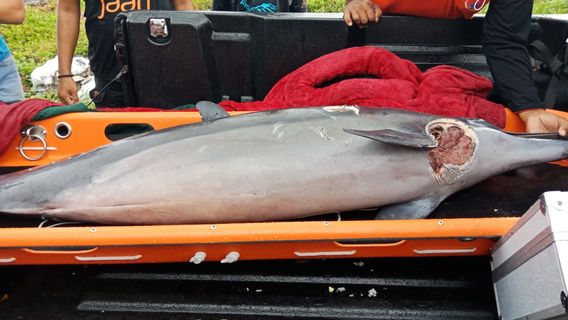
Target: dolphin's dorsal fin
210,111
414,140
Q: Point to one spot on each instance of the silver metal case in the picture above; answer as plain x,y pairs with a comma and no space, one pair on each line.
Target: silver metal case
530,264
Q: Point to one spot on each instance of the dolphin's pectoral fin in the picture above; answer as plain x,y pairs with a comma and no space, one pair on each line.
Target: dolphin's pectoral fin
210,111
417,209
414,140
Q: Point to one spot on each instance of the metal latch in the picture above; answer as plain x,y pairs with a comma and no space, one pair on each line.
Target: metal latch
33,133
554,200
158,28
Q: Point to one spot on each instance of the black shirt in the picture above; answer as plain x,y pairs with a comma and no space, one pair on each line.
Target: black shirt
258,5
99,25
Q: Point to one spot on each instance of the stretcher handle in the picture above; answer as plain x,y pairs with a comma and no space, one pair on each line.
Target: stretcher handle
59,250
371,243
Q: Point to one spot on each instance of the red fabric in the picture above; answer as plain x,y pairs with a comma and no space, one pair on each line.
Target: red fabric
14,116
396,83
445,9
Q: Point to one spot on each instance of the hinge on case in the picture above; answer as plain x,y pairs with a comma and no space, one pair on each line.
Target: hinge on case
554,200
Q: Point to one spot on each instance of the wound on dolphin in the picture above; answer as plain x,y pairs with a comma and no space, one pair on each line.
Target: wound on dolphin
454,148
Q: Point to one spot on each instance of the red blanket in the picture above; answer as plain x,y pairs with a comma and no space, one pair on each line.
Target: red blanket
342,78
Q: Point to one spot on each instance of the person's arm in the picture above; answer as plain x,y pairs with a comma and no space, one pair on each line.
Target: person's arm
68,15
361,12
12,11
505,36
539,120
183,5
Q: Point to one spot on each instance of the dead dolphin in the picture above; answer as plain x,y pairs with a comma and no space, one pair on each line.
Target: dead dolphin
276,165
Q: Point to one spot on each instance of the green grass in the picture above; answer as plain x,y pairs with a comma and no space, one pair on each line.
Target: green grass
326,5
34,42
550,6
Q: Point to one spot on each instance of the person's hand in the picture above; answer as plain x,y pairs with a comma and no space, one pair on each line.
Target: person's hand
538,120
67,91
361,12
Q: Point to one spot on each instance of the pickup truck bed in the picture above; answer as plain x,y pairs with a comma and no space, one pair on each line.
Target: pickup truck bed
267,48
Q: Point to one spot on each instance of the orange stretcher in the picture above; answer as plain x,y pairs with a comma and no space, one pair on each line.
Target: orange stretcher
66,135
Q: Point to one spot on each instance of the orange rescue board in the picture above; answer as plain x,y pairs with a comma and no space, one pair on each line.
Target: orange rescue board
252,241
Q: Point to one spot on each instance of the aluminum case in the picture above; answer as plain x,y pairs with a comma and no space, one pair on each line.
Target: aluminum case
530,263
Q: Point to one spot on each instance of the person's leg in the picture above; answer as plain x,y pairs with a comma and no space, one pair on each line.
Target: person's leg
505,36
298,6
11,89
225,5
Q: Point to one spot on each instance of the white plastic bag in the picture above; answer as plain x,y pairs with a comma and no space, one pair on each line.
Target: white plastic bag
45,77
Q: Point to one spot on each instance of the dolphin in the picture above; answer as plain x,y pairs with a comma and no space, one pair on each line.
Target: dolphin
275,165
